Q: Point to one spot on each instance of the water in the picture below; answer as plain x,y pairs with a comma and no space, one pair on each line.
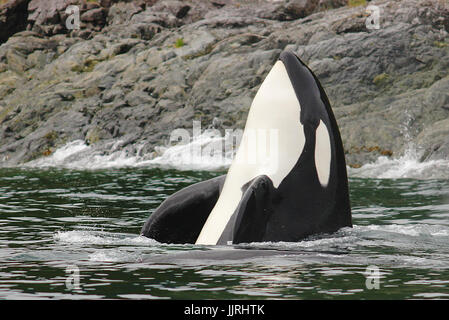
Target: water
73,233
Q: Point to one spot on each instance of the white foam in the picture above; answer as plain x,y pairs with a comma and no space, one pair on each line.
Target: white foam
100,238
414,230
78,155
59,157
393,234
109,256
406,166
194,155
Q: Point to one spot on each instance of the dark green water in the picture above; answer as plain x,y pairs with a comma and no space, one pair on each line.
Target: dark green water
58,224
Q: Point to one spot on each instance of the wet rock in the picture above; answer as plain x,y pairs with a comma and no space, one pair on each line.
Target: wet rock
94,15
46,17
13,16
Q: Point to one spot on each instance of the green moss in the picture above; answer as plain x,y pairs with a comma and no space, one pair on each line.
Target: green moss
88,66
4,113
93,136
440,44
381,79
3,67
179,43
51,137
198,115
201,53
77,69
361,149
91,91
356,3
79,94
5,92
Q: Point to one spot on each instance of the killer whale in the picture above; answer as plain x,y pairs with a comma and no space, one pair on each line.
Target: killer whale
304,192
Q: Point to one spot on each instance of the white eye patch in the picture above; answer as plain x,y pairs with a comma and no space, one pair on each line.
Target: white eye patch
323,154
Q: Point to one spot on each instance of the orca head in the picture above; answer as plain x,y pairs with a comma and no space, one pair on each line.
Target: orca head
287,181
272,142
315,109
291,106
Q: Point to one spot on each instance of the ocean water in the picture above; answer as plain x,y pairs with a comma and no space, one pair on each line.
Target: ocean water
70,223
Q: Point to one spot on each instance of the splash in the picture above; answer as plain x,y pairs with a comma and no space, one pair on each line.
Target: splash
406,166
204,152
101,238
211,151
78,155
409,165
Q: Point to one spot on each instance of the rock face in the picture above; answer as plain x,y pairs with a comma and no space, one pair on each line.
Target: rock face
13,18
136,70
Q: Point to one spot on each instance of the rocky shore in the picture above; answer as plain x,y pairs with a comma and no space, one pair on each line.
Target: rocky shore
136,70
